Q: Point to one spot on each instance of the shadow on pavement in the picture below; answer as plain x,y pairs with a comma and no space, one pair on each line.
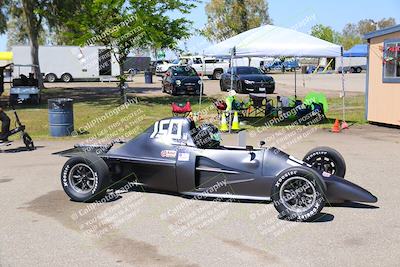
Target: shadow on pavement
355,205
18,149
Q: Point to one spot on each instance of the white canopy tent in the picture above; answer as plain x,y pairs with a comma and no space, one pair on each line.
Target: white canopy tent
274,41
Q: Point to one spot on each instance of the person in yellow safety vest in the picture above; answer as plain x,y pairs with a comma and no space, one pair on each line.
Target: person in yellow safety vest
231,102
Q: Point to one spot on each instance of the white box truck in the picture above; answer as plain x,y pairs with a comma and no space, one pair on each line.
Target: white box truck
69,63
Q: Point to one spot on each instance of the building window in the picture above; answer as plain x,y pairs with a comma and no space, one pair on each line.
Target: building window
391,61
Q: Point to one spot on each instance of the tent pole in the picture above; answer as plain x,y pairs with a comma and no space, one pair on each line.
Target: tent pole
202,82
232,54
295,80
343,89
230,111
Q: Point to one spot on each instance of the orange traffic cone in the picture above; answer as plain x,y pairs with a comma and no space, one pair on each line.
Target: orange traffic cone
345,125
336,127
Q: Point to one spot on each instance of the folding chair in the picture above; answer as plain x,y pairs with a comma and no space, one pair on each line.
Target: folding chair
181,110
259,106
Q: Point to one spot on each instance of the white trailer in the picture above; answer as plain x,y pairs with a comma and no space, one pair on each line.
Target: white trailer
68,63
351,64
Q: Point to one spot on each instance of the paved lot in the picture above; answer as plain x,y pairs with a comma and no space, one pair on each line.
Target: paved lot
41,226
331,84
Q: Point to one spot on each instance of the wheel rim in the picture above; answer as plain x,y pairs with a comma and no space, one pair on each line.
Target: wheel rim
51,78
298,194
218,76
325,164
67,78
82,178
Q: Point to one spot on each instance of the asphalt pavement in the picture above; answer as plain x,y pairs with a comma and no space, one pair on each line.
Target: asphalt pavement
40,226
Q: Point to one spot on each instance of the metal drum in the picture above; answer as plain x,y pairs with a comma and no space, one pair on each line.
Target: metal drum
61,117
148,77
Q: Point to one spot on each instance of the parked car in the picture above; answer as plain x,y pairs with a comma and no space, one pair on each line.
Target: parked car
281,66
212,67
312,69
181,80
247,79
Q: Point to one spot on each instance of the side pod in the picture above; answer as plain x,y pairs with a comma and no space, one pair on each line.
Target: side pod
339,190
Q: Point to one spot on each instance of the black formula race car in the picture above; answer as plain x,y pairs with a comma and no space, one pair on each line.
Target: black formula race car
247,79
175,156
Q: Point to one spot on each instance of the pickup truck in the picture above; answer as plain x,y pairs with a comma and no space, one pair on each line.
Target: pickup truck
213,68
281,66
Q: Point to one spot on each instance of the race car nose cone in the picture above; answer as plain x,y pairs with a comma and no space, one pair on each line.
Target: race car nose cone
341,189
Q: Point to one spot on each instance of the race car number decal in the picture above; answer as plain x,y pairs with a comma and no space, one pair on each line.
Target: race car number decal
167,128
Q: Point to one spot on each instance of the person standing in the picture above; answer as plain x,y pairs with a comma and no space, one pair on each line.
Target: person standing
5,125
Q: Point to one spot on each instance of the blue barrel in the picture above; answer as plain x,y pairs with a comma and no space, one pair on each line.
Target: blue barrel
148,77
61,117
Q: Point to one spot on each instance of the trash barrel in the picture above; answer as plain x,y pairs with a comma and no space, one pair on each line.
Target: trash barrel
148,77
61,117
304,69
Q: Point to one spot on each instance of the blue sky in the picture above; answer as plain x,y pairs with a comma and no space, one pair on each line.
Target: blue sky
302,15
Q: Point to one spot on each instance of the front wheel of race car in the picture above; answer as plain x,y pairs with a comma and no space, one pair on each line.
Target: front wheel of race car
298,194
326,159
85,178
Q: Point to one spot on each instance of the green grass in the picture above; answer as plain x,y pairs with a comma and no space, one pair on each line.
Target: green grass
137,117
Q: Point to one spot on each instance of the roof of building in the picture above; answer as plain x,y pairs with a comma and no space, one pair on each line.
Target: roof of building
385,31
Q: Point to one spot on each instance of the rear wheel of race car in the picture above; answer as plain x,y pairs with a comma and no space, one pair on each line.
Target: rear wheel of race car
326,159
85,178
298,194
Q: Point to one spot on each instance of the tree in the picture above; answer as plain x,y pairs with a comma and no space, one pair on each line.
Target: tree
368,25
325,33
27,21
17,33
123,25
3,16
385,23
227,18
350,36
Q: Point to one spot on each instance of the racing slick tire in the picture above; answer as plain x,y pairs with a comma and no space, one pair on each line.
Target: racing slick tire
85,178
298,194
326,159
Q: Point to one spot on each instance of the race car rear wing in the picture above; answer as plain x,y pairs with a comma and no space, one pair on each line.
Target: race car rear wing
85,148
